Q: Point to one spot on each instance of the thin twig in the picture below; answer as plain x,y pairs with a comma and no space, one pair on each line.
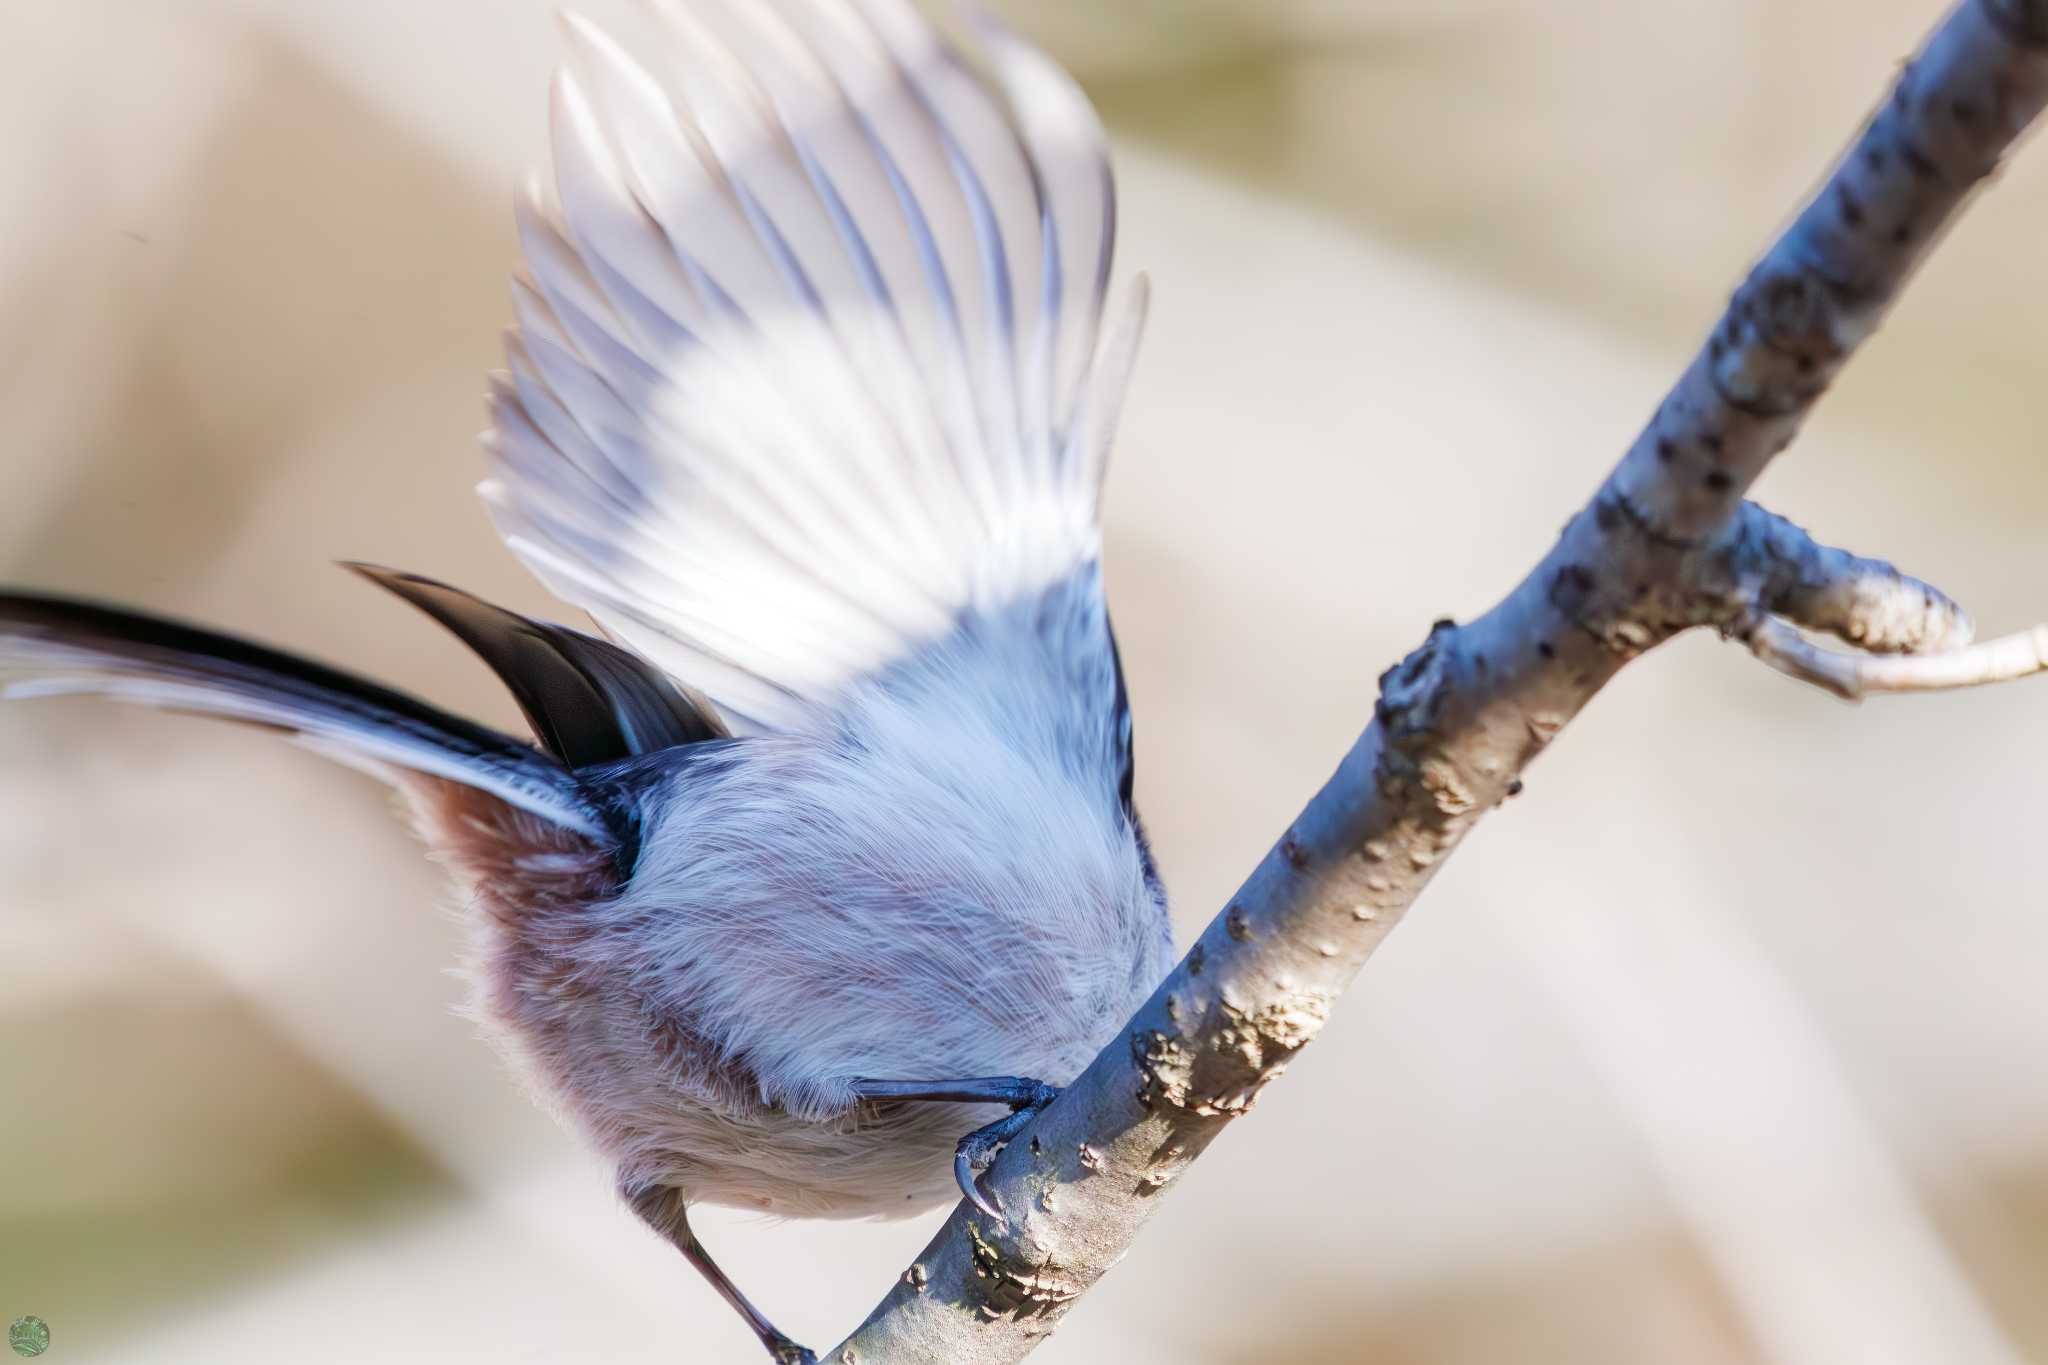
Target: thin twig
1854,676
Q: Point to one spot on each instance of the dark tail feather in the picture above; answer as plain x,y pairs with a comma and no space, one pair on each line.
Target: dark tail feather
588,701
53,646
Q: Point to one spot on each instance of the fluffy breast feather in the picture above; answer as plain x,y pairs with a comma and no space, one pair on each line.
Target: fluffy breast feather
935,880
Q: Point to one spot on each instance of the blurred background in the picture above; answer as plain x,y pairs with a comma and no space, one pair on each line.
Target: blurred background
1725,1043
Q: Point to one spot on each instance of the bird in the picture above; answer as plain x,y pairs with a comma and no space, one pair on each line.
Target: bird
822,851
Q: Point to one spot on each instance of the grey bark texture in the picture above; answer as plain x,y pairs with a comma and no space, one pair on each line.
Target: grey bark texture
1666,544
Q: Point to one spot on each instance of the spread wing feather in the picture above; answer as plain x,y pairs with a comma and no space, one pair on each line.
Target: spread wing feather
807,361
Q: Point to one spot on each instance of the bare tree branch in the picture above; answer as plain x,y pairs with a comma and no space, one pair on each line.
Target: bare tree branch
1666,544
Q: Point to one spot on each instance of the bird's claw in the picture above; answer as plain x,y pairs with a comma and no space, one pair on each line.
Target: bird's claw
979,1147
786,1352
964,1159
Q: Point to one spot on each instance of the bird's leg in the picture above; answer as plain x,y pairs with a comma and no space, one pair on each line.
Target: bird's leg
661,1208
1024,1096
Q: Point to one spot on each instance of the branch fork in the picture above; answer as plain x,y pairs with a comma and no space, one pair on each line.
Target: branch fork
1905,635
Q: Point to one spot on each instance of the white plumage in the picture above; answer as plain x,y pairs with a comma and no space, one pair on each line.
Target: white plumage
807,366
937,882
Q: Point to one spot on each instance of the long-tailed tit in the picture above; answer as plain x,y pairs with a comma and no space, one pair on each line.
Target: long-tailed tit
831,833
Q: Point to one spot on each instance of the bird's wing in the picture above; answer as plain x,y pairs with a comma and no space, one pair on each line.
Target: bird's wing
808,360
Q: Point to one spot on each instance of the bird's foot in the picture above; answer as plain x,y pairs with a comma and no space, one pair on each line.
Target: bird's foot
1025,1096
783,1351
979,1147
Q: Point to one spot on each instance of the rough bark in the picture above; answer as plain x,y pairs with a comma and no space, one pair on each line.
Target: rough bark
1667,543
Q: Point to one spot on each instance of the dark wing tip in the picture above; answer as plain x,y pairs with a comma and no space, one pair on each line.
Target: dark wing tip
588,701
